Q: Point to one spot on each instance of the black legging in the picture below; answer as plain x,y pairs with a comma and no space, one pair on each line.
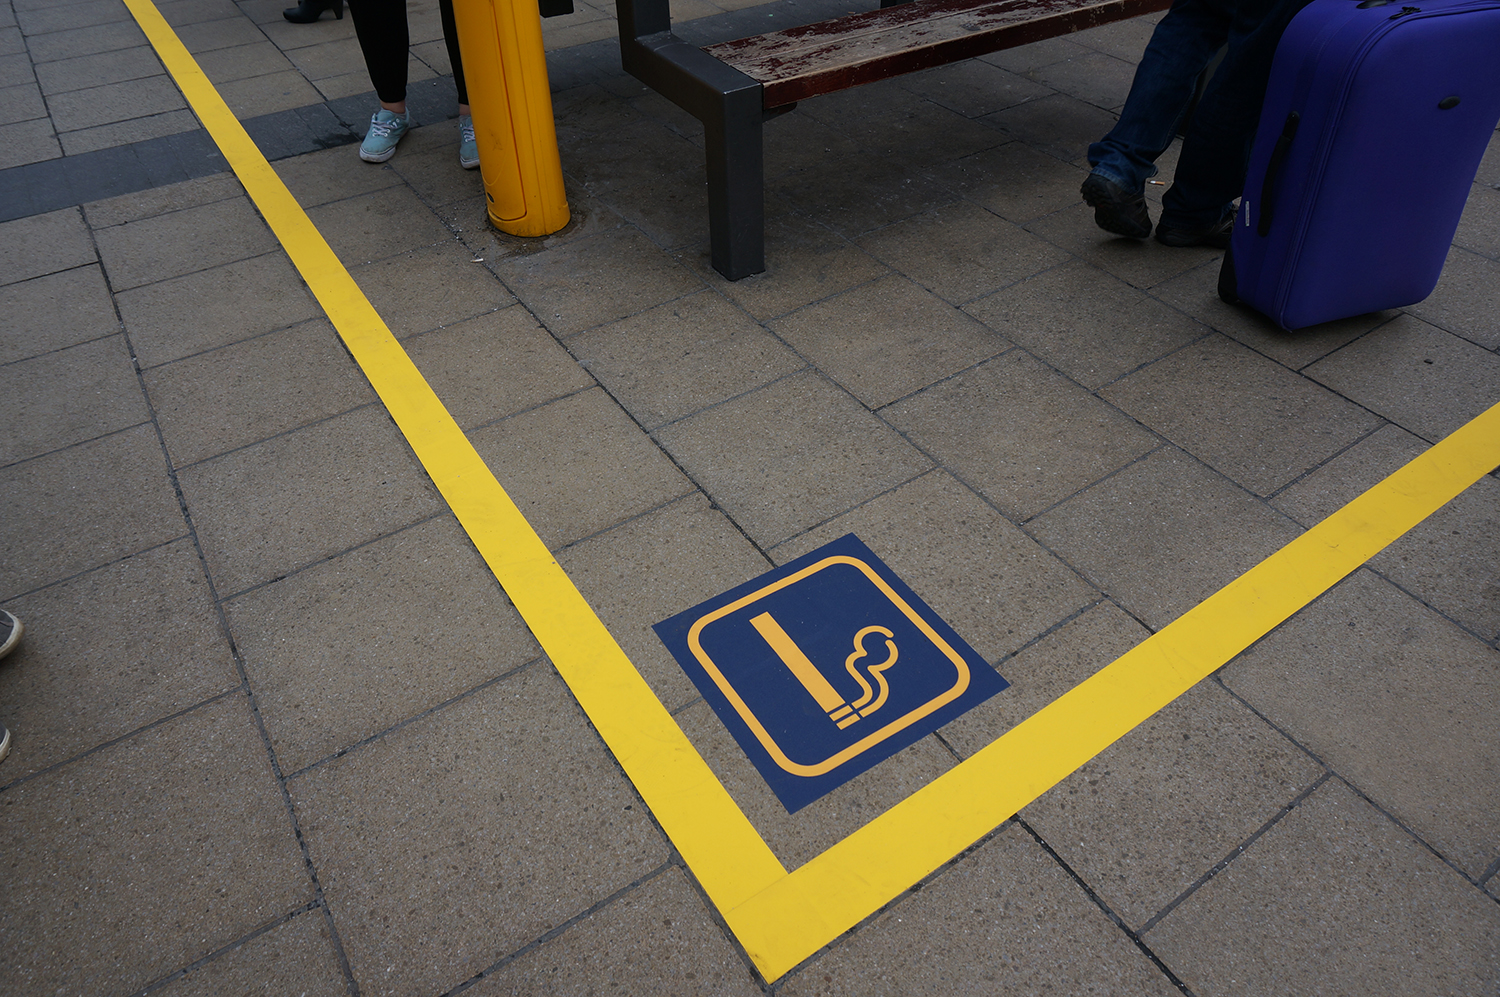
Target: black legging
384,40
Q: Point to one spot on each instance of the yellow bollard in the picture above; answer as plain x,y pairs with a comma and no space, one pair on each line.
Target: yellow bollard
506,72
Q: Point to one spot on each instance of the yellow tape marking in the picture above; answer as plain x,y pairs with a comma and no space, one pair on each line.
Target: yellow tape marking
781,918
704,823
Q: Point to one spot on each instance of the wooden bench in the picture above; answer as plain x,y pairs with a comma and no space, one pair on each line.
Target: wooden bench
734,86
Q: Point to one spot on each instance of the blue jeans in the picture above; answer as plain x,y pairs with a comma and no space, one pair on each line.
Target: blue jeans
1216,149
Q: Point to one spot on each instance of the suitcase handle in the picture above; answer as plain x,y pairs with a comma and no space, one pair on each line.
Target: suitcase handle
1273,169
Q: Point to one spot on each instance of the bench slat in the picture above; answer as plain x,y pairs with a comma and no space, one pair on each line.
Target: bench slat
850,51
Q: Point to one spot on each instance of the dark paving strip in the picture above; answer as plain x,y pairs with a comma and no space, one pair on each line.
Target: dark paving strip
37,188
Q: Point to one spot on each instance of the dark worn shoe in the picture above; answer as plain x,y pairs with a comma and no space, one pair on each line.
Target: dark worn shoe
309,11
1216,236
1115,208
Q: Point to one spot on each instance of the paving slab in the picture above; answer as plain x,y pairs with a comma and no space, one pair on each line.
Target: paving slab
108,901
797,838
1423,379
454,819
1325,490
1162,535
44,244
28,142
1396,700
578,285
1085,323
68,396
197,312
145,204
812,264
377,225
1019,433
656,939
228,398
182,242
110,651
54,312
887,339
1145,819
965,251
681,357
71,510
973,88
1004,918
333,665
495,365
860,194
1451,561
577,466
1012,180
788,456
653,567
1466,299
1247,417
270,508
296,956
982,575
1047,667
1334,899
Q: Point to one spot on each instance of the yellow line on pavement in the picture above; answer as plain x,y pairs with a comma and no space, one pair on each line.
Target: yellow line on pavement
781,918
704,823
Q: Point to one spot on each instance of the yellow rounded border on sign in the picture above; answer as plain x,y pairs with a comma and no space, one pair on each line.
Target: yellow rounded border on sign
864,744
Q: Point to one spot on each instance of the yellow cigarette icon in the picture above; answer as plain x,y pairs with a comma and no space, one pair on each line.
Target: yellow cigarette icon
826,696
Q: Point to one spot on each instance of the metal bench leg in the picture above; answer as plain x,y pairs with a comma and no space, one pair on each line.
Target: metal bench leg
736,185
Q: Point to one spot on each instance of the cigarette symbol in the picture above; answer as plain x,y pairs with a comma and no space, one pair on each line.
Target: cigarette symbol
827,697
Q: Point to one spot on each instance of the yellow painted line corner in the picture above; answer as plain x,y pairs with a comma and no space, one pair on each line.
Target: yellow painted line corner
783,917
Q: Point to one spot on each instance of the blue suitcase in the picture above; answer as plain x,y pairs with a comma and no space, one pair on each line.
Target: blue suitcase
1373,126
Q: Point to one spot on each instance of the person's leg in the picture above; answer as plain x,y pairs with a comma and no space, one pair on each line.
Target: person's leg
450,39
468,148
380,26
1166,77
1216,152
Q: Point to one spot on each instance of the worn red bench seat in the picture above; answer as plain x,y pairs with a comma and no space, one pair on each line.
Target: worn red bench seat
733,86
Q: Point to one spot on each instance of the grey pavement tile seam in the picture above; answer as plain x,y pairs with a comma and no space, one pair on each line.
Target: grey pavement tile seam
1331,773
999,662
63,580
415,717
534,407
1143,457
299,569
274,436
953,867
76,443
60,349
136,732
244,688
565,926
1420,599
750,391
233,342
1324,463
1098,901
224,950
1238,850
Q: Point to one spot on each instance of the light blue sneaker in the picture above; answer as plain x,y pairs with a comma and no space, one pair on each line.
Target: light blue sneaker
386,129
468,148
